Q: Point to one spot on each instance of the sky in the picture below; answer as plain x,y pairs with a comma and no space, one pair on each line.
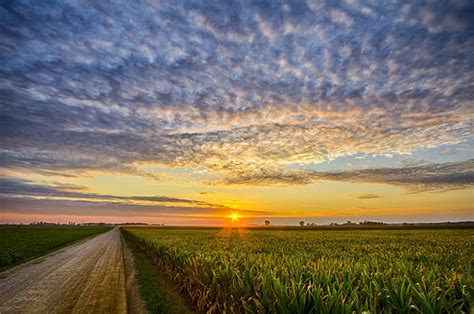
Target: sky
185,112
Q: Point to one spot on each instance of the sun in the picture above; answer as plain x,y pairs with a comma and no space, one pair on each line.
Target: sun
234,216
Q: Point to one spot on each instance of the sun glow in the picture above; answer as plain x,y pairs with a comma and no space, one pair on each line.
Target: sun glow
234,216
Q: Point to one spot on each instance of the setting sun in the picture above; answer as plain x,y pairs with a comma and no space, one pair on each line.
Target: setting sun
234,216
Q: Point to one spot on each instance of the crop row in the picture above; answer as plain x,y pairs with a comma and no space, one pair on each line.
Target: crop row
316,271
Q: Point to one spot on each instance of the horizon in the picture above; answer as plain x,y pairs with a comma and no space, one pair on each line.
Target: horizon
243,225
198,113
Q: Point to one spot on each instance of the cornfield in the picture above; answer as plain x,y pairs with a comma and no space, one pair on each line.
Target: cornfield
314,271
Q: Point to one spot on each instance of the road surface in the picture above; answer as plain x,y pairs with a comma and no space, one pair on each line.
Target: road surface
87,277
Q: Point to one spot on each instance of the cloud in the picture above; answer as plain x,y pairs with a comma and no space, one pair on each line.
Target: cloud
456,175
13,187
369,196
458,149
27,205
233,87
26,197
438,177
410,162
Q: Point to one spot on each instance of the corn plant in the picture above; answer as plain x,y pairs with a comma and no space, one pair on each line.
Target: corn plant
314,271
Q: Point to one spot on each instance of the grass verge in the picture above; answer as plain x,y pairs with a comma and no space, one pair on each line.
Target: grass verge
160,294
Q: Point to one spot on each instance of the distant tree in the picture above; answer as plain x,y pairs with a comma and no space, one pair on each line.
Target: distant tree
302,223
367,222
267,222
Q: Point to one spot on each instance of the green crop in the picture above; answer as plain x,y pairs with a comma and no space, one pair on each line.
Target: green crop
21,243
314,271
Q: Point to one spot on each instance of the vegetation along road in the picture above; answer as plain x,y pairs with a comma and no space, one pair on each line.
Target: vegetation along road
86,277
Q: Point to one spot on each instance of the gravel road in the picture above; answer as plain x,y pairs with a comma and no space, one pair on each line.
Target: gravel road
87,277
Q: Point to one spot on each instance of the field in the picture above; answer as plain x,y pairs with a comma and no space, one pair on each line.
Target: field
318,271
22,243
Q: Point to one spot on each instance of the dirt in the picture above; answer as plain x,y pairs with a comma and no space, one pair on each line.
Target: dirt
88,277
134,300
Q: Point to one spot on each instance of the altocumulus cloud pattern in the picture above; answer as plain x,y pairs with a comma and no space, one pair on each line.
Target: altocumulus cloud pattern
244,89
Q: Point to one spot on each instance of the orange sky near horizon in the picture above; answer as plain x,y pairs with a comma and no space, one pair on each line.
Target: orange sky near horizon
320,203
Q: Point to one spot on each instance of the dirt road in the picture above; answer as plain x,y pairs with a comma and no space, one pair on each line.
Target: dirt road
84,278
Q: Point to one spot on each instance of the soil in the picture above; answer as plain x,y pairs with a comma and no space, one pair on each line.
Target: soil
134,300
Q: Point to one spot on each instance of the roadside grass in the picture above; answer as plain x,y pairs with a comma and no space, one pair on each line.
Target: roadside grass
19,244
160,294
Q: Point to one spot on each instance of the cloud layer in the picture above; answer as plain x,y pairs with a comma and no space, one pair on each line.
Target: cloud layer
26,197
20,188
244,89
445,176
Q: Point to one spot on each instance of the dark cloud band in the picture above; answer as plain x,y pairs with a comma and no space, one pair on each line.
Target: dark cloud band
445,176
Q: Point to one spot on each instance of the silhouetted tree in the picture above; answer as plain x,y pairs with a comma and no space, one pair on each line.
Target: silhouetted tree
302,223
267,222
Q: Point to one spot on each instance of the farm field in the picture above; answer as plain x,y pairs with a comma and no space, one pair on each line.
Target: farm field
318,271
19,244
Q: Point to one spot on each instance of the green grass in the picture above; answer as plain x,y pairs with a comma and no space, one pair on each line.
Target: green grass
316,271
19,244
159,293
